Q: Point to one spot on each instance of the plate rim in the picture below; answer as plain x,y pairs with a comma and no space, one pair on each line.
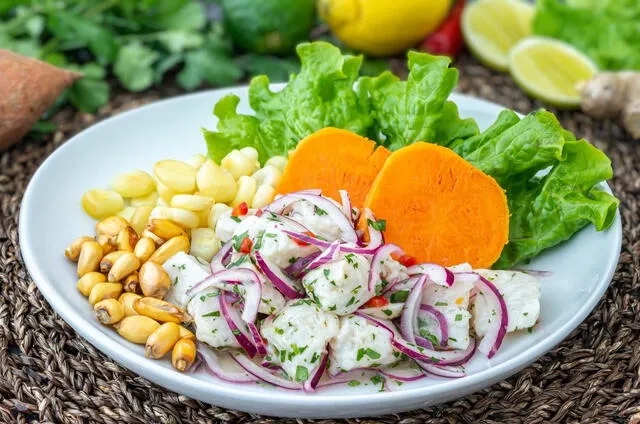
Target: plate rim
154,372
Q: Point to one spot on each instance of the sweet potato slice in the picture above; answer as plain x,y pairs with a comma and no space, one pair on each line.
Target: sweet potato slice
28,87
333,159
439,208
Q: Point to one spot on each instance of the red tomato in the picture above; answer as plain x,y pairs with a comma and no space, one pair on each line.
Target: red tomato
406,260
246,245
259,212
240,210
303,243
376,302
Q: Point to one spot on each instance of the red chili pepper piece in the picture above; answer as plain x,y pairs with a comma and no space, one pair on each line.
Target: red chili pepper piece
376,302
447,39
259,213
406,260
240,210
246,245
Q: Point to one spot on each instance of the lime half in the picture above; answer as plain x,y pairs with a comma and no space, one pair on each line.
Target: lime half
550,70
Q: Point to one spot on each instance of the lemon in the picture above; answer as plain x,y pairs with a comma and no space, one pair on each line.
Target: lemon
550,70
491,27
383,27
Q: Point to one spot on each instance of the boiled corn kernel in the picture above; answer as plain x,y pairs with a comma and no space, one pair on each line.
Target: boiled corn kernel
133,184
89,259
154,280
123,266
72,252
216,212
246,190
203,215
183,354
128,299
141,217
239,164
102,203
191,202
136,328
102,291
269,175
127,213
150,199
264,195
178,176
204,243
170,248
279,162
144,249
215,181
197,160
251,153
111,226
164,193
185,219
88,281
161,341
108,311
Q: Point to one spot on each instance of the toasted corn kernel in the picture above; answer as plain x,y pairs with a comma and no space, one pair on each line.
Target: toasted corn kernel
161,341
128,299
279,162
215,181
72,252
183,354
239,164
111,225
109,259
107,243
102,203
127,213
264,195
187,334
131,282
123,266
170,248
136,328
216,212
191,202
164,229
102,291
89,259
184,218
88,281
204,243
148,234
154,280
149,200
133,184
160,310
109,311
144,249
127,239
176,175
140,217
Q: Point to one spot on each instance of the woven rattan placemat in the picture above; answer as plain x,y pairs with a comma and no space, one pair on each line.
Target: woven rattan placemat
49,374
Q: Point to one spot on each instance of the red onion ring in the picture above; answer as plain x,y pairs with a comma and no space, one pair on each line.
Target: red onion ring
262,373
377,261
233,320
345,248
443,325
212,365
376,239
295,269
284,284
436,273
346,204
311,384
409,319
329,255
217,262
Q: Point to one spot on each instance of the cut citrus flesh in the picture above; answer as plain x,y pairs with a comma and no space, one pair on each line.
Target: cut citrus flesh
550,70
491,27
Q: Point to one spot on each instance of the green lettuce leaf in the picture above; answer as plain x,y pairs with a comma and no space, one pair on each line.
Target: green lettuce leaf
417,109
606,30
547,210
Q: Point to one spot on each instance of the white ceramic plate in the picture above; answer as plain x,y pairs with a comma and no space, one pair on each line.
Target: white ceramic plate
51,217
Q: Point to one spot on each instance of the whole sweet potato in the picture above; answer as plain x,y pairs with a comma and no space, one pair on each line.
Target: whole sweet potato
28,87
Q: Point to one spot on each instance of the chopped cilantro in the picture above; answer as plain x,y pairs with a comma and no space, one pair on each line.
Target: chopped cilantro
237,240
235,332
238,262
351,301
369,352
387,312
236,219
332,308
292,259
319,211
380,225
326,272
279,330
458,317
258,244
377,379
349,257
441,303
314,357
353,383
399,296
212,314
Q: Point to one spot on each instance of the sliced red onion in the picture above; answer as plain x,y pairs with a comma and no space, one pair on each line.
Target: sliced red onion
409,319
311,384
402,373
535,272
296,268
218,261
233,320
494,336
284,284
257,338
422,342
376,239
436,273
285,221
212,364
382,254
329,255
346,226
443,325
345,248
346,204
263,373
442,370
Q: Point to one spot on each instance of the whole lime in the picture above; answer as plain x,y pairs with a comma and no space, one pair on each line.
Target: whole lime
269,26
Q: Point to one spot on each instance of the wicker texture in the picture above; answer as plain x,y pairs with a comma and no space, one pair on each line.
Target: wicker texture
49,374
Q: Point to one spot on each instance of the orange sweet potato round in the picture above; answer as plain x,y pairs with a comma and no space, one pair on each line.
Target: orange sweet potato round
333,159
28,87
439,208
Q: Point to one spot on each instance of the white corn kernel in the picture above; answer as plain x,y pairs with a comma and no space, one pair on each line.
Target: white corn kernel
239,164
246,190
127,213
264,196
215,181
140,218
279,162
250,152
269,175
102,203
191,202
216,212
149,200
178,176
164,192
185,219
204,217
162,202
204,243
197,160
133,184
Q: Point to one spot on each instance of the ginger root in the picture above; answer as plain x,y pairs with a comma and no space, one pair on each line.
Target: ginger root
614,95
